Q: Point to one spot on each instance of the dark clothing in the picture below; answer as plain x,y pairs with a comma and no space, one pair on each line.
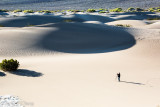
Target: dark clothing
119,75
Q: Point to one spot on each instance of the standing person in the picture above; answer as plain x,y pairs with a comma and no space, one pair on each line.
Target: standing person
119,76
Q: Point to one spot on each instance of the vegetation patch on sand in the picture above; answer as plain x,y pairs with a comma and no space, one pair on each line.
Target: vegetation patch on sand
9,65
116,10
67,20
101,10
91,10
123,25
153,18
2,26
28,11
18,10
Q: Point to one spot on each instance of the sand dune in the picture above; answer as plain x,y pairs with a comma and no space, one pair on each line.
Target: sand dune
155,25
74,64
133,23
59,36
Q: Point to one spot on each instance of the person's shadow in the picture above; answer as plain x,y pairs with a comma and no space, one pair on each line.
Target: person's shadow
133,83
28,73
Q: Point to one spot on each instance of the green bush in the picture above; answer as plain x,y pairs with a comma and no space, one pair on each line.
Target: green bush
74,11
131,9
91,10
152,9
139,9
116,10
101,9
62,10
9,65
46,11
28,11
102,12
18,10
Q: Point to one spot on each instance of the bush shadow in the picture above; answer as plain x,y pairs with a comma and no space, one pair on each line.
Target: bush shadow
27,73
2,74
136,15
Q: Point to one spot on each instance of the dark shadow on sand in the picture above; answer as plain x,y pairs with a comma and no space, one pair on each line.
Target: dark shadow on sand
2,74
133,83
136,15
86,38
23,21
27,73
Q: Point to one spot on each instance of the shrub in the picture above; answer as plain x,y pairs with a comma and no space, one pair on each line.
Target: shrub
82,11
18,10
152,9
74,11
9,65
131,9
62,10
91,10
4,10
121,25
139,9
28,11
45,11
103,9
102,12
116,10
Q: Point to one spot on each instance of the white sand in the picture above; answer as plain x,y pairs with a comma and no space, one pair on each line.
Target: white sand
75,64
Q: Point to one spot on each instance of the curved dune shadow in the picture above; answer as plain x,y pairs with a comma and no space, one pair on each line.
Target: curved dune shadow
28,73
2,74
86,38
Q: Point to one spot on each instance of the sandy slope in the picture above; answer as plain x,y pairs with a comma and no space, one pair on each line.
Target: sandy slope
75,64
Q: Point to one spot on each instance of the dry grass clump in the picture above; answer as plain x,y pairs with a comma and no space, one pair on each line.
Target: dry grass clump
67,20
123,25
29,25
153,18
2,26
